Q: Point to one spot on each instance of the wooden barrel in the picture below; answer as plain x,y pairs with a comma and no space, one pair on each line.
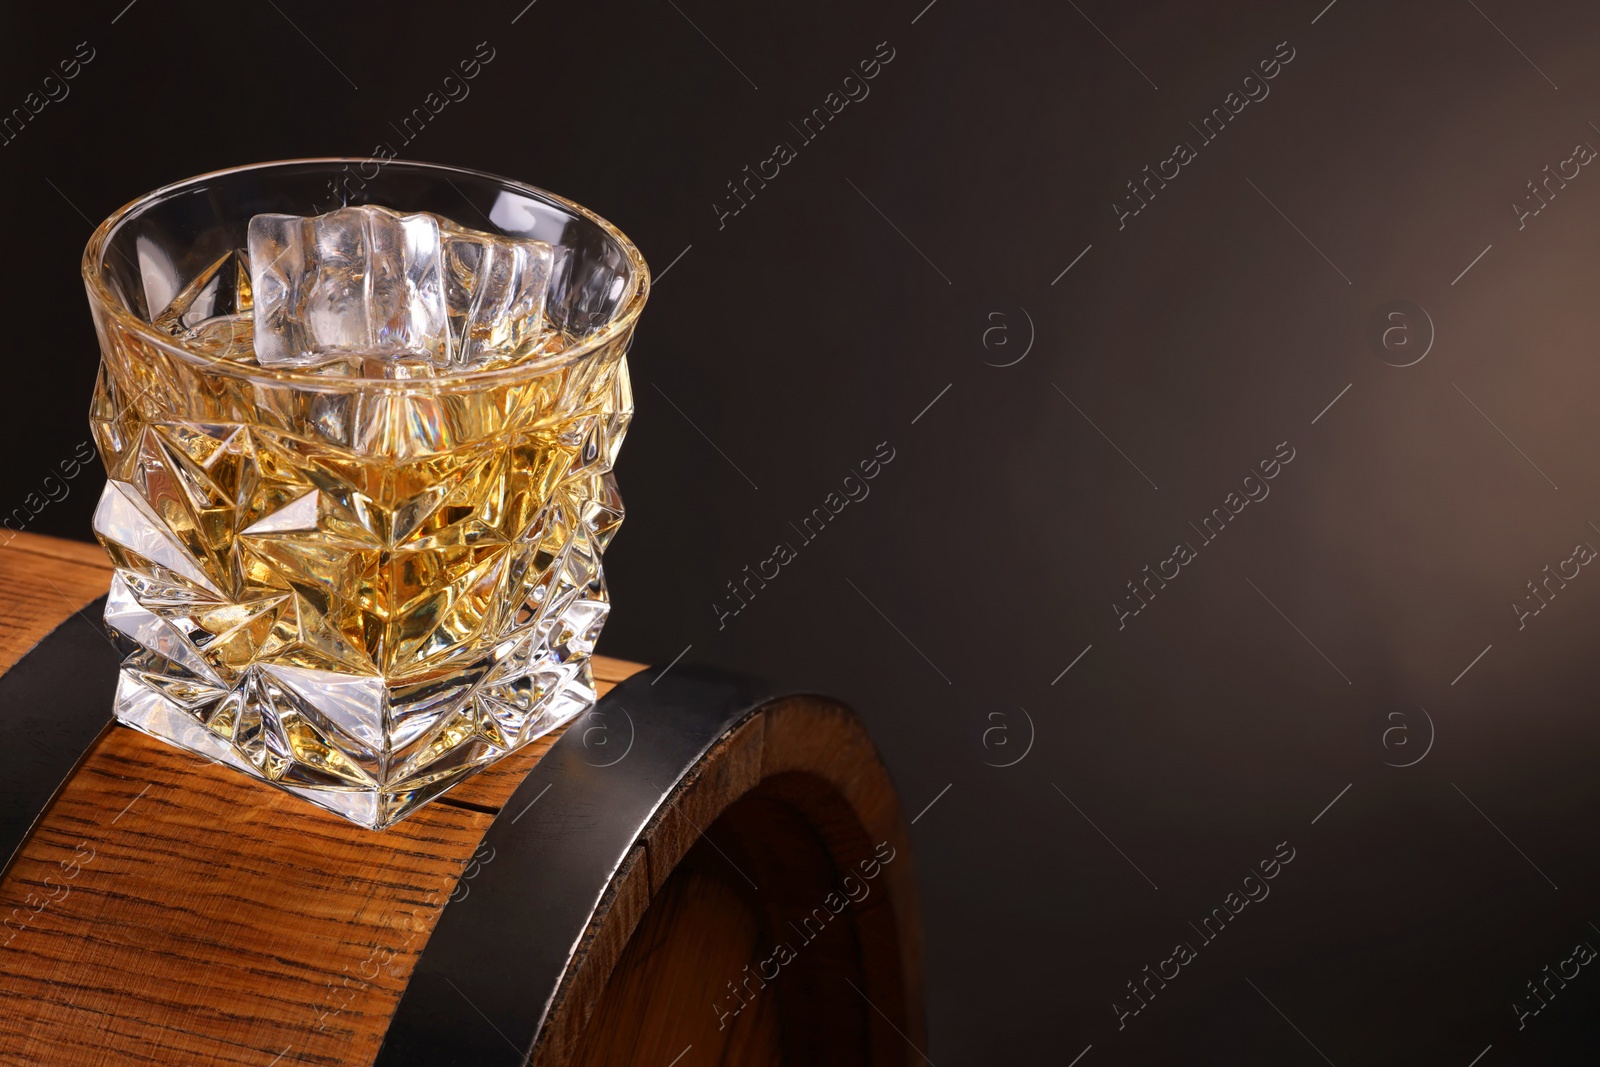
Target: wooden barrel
701,872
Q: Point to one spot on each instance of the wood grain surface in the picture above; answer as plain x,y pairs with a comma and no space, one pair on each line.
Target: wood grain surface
167,910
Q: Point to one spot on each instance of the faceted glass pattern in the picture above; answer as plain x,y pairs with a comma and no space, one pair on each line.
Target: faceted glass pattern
359,589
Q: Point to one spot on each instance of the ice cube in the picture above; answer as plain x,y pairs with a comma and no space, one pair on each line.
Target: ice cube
495,290
380,287
357,281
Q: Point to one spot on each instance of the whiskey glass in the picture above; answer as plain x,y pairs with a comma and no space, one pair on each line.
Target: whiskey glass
360,587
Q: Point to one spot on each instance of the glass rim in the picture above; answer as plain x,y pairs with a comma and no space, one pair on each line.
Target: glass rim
105,300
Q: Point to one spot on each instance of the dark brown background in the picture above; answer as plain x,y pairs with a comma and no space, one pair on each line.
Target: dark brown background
1217,324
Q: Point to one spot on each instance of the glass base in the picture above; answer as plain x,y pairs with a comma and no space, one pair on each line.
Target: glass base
279,729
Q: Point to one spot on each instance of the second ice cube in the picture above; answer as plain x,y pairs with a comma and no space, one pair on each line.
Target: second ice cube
495,290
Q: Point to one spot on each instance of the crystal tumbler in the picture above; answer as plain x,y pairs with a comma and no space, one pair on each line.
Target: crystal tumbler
364,580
